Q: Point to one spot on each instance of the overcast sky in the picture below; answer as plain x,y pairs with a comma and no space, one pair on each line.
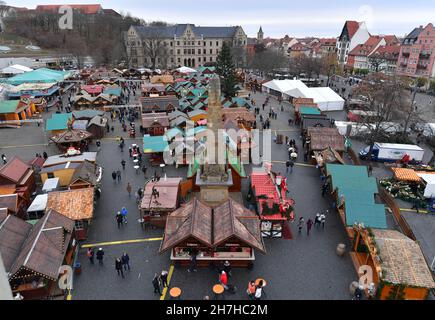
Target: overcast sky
321,18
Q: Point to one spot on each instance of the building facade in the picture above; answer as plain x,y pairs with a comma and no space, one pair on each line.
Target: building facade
182,45
353,34
417,54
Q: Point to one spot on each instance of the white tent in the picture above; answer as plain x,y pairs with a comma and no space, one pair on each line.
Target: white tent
39,204
325,97
429,192
15,69
186,70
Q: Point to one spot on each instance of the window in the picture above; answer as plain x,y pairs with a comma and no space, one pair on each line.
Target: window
172,60
199,59
172,44
211,51
203,51
185,51
179,60
199,43
211,59
178,51
50,175
184,42
178,43
217,51
199,51
211,43
217,43
80,225
172,51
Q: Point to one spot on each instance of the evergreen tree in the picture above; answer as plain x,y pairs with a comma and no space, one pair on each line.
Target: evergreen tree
225,69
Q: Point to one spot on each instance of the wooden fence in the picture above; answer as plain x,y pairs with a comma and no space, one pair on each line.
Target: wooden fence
389,200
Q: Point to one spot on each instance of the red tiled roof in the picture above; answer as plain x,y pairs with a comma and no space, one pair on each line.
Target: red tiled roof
391,39
14,170
92,89
388,52
352,28
83,8
366,48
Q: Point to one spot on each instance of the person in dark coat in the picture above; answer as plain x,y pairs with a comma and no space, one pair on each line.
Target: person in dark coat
45,155
119,219
114,176
123,164
125,259
156,284
309,226
164,278
100,255
192,266
118,267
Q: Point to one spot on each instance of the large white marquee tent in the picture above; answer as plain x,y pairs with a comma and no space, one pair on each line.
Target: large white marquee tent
15,69
326,98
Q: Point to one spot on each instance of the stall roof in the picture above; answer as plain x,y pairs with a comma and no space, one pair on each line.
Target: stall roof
429,191
76,204
168,189
154,144
71,136
50,184
371,215
39,75
405,174
402,261
87,114
309,111
58,121
45,246
39,204
8,106
13,234
59,159
15,69
15,170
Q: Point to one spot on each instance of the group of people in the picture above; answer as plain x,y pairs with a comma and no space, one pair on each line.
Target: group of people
121,217
319,220
160,281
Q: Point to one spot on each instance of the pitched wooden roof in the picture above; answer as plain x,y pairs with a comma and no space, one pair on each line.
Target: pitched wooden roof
191,220
75,204
15,170
13,233
85,172
402,261
322,138
45,247
9,201
69,136
212,227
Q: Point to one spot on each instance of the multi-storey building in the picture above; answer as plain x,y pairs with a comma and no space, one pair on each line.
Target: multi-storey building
417,55
353,34
182,44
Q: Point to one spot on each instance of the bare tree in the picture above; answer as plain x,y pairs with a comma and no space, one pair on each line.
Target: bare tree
155,48
385,99
377,62
239,56
268,61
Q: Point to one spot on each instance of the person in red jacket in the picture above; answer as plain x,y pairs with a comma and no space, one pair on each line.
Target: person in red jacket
223,279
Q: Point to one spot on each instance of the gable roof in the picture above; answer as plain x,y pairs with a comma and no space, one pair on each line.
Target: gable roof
10,202
45,246
179,29
85,172
9,106
70,136
76,204
13,233
15,170
58,121
352,27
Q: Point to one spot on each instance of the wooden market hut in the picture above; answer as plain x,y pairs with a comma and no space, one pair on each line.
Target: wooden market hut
20,175
33,254
354,193
159,104
155,208
229,232
322,138
97,127
162,79
153,90
15,110
86,175
77,205
155,124
244,118
400,271
58,123
78,139
155,146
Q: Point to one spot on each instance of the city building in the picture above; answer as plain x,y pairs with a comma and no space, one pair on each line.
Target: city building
361,57
353,34
181,44
417,54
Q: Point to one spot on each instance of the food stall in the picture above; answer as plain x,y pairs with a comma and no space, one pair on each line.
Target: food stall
155,146
160,198
400,271
228,232
268,195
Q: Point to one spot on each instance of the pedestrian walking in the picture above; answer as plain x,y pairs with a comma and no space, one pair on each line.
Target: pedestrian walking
301,224
370,170
223,279
119,219
291,165
324,189
45,155
251,290
118,175
164,278
156,284
100,255
125,260
123,164
129,189
227,268
124,213
309,226
4,159
192,266
323,219
259,290
114,176
317,220
90,253
118,267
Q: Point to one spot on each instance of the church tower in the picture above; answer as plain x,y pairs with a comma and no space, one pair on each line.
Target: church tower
260,35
